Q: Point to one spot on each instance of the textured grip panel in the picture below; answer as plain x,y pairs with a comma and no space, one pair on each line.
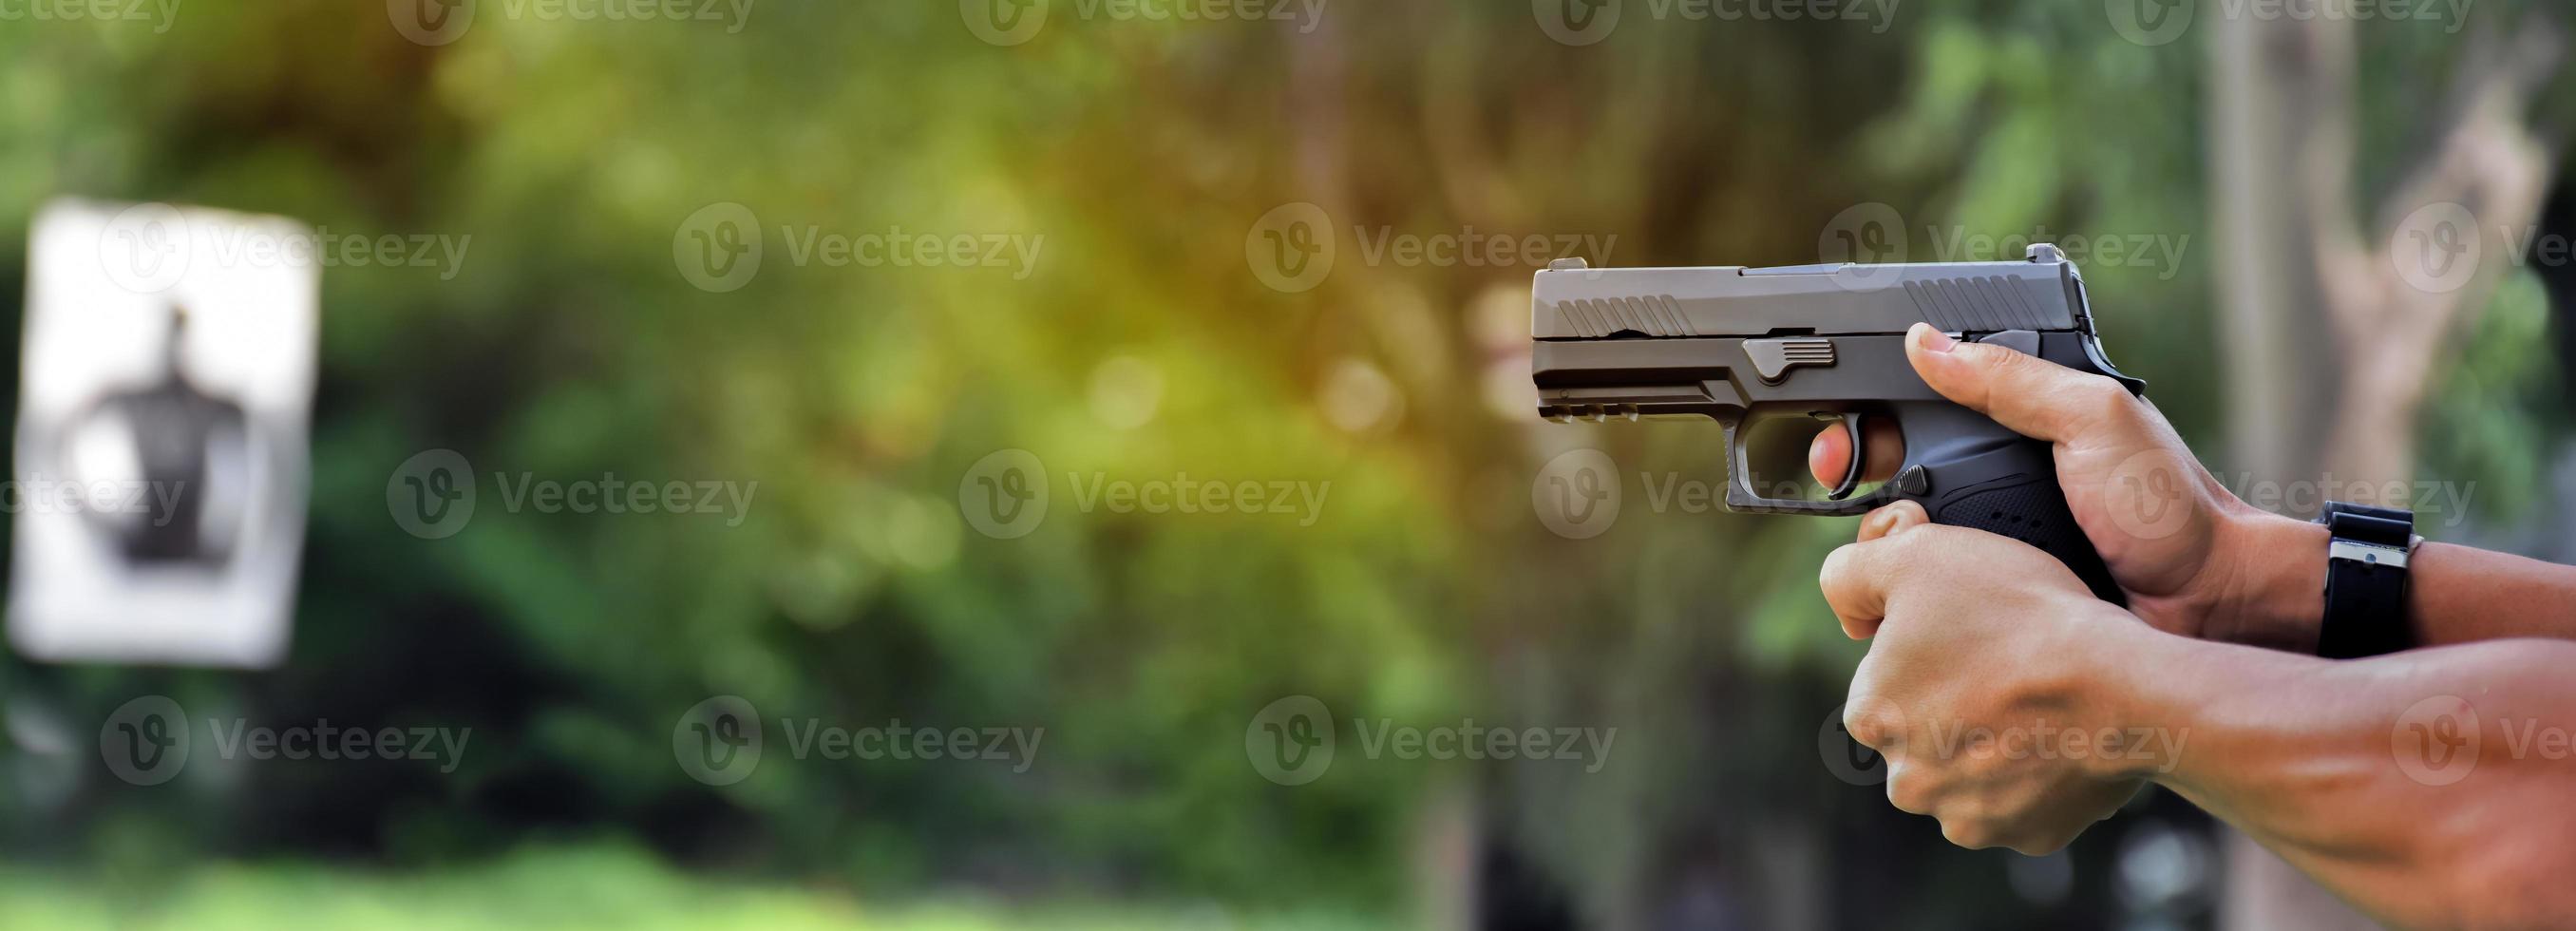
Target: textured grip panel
2034,512
2011,489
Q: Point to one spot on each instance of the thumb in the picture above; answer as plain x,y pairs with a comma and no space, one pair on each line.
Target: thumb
1886,521
2027,394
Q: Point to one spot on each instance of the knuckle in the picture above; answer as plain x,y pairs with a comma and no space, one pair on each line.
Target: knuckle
1911,550
2102,400
1837,569
2039,845
1907,790
1968,832
1872,727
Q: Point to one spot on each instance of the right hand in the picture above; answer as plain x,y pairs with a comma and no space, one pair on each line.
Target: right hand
2182,546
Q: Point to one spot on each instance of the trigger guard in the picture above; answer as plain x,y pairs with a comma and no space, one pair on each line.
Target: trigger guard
1741,498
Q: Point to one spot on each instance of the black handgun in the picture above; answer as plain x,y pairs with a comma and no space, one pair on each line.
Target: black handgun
1828,342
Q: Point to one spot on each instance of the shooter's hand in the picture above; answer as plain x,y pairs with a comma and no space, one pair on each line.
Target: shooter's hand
1981,685
2182,546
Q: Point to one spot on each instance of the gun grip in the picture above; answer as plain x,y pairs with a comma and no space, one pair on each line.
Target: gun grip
2012,490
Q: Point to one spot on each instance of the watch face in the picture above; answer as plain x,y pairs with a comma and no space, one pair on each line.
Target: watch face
166,388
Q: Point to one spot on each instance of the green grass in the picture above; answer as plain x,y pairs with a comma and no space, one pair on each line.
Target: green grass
594,887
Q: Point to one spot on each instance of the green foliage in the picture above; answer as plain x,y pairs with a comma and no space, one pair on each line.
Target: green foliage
570,345
600,887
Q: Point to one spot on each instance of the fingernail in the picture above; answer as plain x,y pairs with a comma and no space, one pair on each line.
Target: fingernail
1934,340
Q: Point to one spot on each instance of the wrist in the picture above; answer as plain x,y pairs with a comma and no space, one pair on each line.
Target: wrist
2270,586
2138,706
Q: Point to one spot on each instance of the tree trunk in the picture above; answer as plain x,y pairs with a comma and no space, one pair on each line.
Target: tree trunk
2332,330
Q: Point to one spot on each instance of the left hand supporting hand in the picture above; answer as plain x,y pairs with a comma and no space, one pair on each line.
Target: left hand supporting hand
1978,684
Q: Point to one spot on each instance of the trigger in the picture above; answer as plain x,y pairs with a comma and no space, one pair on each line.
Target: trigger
1858,462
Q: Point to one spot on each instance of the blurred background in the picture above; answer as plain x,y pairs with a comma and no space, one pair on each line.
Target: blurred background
914,290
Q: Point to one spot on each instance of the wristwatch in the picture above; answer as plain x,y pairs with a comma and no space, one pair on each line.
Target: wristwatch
2366,580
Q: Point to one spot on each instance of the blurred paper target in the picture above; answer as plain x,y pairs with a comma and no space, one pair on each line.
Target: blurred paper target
164,403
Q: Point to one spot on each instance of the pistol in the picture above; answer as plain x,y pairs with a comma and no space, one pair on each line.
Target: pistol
1739,345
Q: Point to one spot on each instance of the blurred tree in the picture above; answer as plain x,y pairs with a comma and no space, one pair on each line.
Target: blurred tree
2337,333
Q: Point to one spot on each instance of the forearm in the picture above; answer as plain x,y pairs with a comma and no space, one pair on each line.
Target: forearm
2456,594
2327,764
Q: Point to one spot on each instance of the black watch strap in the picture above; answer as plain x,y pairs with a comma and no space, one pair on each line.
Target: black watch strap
2366,581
